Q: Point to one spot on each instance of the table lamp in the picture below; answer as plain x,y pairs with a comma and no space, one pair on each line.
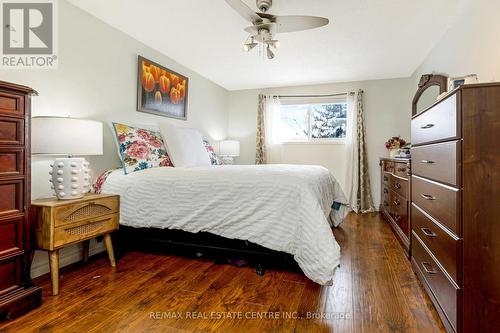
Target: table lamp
70,176
228,149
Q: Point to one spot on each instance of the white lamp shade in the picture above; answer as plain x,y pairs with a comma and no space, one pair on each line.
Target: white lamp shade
65,136
229,148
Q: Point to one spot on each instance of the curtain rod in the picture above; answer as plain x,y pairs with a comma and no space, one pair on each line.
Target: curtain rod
311,96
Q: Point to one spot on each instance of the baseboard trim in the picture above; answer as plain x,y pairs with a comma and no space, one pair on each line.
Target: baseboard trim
67,256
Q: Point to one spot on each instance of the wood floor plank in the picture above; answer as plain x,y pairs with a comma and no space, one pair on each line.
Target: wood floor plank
380,307
152,295
423,320
284,307
250,319
205,278
374,286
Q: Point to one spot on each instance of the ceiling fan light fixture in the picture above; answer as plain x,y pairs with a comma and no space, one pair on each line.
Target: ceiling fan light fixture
265,25
273,43
270,54
249,44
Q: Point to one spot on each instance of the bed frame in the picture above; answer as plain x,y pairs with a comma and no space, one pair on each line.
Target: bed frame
202,244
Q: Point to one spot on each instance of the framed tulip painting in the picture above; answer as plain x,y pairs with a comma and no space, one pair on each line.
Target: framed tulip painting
161,91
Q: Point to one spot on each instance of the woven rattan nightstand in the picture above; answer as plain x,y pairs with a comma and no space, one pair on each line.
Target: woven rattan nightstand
58,223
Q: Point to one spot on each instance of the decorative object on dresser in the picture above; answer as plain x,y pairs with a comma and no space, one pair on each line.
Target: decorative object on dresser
60,223
396,196
17,293
455,82
455,206
70,176
228,149
394,145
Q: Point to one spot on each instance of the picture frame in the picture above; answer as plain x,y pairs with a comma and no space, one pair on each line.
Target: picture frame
160,90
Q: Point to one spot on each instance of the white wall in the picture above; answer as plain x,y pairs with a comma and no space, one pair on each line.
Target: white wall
97,79
387,113
470,46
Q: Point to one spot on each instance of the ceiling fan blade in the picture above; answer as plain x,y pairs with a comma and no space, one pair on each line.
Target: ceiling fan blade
246,12
251,30
299,23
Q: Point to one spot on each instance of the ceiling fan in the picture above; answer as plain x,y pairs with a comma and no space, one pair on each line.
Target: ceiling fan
265,26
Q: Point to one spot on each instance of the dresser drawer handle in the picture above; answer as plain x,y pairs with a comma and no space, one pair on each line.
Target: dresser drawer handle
428,270
428,197
385,178
385,190
397,202
397,185
427,161
428,232
386,204
402,169
397,218
427,126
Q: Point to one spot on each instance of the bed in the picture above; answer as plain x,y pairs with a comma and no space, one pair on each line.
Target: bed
284,208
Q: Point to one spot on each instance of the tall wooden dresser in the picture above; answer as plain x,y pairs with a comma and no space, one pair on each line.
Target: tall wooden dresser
17,294
395,197
455,210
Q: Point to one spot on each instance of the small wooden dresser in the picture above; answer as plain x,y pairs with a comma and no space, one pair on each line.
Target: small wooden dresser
395,197
455,206
17,294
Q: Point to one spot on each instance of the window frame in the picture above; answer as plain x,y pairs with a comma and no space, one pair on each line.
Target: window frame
311,101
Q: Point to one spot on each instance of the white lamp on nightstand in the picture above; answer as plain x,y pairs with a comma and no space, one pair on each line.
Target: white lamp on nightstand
228,149
70,176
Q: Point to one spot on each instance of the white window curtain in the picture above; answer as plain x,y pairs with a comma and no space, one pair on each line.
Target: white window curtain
358,189
351,185
272,127
268,114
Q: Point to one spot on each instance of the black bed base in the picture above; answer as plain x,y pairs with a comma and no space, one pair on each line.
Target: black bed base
201,245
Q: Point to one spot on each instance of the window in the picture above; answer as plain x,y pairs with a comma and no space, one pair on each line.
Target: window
313,122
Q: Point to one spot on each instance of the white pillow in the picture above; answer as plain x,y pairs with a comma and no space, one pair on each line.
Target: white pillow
184,146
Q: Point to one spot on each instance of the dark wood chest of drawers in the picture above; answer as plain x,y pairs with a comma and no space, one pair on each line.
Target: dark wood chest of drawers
17,294
455,206
395,197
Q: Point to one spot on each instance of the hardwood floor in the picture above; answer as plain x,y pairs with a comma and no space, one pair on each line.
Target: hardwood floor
374,290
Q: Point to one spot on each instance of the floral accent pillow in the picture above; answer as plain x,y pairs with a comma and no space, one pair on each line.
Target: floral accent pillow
214,159
140,148
99,182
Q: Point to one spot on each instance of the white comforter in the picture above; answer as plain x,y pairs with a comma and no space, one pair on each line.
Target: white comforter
281,207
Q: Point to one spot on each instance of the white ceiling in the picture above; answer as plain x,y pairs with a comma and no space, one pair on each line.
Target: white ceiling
366,39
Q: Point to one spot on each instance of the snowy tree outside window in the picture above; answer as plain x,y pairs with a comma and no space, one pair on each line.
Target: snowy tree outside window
314,122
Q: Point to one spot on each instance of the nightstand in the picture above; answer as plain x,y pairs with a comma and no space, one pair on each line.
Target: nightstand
57,223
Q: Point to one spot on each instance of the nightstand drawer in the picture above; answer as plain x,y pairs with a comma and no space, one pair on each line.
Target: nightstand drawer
85,210
89,228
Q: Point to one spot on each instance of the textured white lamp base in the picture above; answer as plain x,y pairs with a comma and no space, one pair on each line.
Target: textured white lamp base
70,177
